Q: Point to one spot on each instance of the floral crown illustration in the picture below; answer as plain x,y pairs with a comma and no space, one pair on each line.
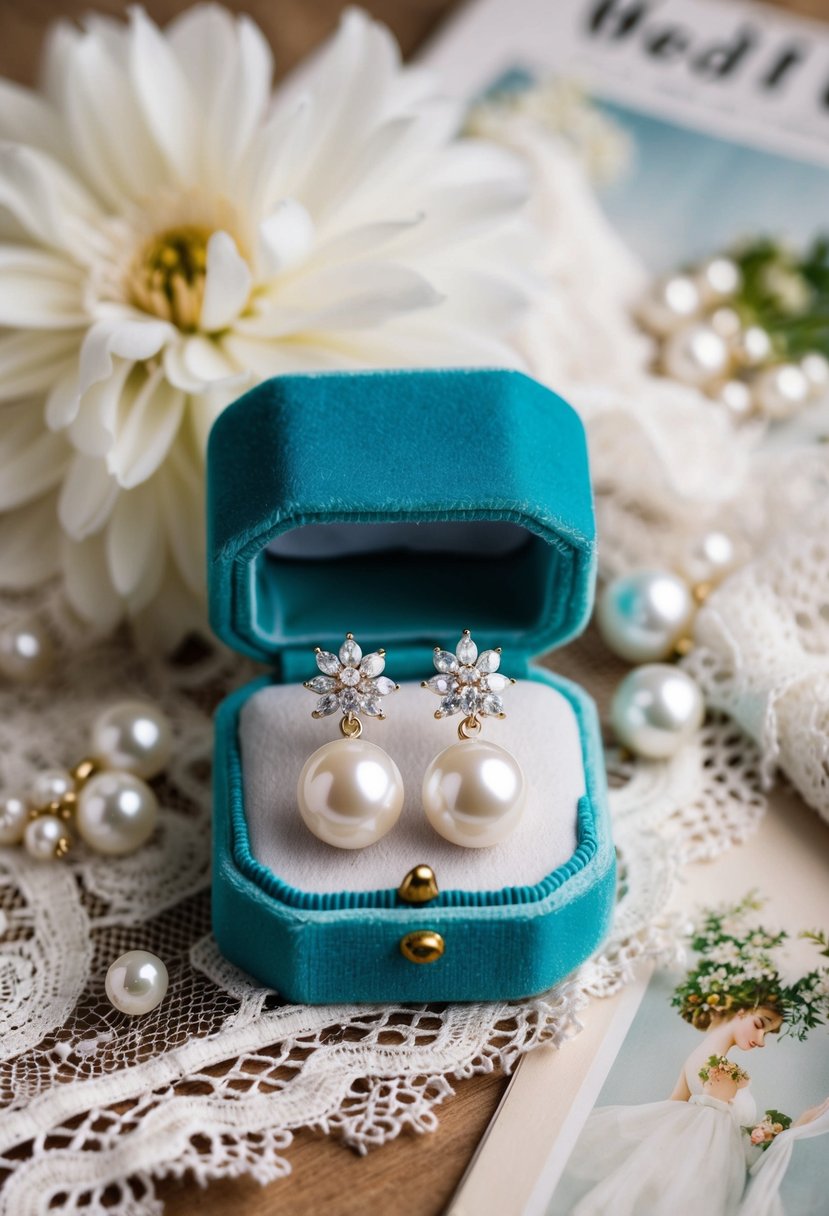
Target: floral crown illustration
736,971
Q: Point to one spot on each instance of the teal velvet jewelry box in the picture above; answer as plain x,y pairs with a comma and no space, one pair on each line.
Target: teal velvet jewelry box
403,507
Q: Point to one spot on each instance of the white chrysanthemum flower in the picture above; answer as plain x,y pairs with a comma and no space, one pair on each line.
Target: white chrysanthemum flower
172,231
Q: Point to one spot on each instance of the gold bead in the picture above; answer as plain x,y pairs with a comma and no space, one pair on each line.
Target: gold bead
701,591
62,847
684,646
422,946
84,770
419,886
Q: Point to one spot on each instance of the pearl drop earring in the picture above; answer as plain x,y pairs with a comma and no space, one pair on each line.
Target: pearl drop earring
350,792
104,798
474,791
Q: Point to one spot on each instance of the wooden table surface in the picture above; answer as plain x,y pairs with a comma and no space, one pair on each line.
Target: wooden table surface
412,1175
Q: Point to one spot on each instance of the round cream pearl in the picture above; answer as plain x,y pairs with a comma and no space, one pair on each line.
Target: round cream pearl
735,395
137,982
116,813
43,836
718,279
696,355
726,322
815,368
26,651
670,303
474,793
643,615
655,710
753,346
781,391
350,793
712,558
14,816
50,786
133,736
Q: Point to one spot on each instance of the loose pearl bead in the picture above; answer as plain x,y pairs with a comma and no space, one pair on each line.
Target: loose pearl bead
735,395
474,793
50,786
134,737
718,279
753,346
712,558
726,322
815,368
14,815
670,303
781,391
696,355
26,651
116,813
137,982
656,709
643,615
43,837
350,793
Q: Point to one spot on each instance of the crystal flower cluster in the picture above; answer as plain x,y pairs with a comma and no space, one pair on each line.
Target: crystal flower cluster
350,682
468,683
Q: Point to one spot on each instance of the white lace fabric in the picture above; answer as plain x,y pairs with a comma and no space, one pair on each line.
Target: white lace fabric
216,1080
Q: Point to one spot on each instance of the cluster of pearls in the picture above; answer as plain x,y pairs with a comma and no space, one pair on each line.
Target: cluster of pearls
704,342
646,617
104,799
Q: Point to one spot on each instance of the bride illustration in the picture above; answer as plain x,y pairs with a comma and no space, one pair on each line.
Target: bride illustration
694,1147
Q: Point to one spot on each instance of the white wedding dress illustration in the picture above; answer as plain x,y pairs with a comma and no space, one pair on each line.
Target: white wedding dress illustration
662,1158
762,1195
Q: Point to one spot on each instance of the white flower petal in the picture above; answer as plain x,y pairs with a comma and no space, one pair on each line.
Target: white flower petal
165,96
226,285
285,237
132,340
87,497
135,546
27,118
266,358
94,426
88,584
45,199
39,290
174,613
205,360
31,362
32,461
29,544
147,428
181,497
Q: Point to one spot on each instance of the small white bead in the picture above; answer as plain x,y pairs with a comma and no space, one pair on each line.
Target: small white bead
134,737
43,835
670,303
815,367
14,816
735,395
696,355
137,982
26,651
753,346
116,813
474,793
350,793
643,615
779,392
50,786
718,279
655,710
712,558
726,322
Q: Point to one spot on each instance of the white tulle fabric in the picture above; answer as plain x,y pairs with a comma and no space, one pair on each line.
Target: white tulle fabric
219,1077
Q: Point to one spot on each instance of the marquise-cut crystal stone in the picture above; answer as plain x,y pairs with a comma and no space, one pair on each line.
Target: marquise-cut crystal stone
372,665
383,685
321,684
444,661
372,706
328,663
350,653
442,684
494,682
349,701
327,705
466,650
450,704
492,705
470,700
350,676
488,661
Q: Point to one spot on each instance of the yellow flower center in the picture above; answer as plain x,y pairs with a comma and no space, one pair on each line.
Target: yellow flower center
167,276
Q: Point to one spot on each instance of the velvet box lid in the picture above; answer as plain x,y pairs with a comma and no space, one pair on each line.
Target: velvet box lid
402,506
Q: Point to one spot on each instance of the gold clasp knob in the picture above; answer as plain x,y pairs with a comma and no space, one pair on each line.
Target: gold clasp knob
422,946
419,886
